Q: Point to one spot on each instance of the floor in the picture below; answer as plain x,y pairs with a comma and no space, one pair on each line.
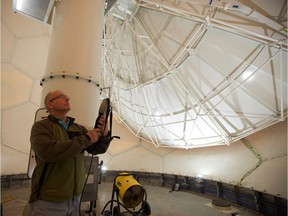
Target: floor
162,201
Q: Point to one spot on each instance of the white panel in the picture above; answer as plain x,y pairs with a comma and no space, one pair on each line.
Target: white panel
117,145
13,161
16,87
34,63
7,47
15,142
159,151
270,177
18,134
217,163
137,159
271,142
219,42
36,92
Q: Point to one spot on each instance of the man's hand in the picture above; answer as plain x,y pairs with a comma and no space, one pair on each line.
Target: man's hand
94,134
101,125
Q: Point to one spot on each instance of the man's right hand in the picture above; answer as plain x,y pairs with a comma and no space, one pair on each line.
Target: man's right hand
101,124
94,134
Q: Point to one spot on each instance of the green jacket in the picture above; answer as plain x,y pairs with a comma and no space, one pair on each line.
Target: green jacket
60,171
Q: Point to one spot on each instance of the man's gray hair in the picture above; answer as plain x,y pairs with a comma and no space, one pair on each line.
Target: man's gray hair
46,100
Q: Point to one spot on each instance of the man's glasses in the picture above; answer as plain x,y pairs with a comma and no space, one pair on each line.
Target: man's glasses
63,96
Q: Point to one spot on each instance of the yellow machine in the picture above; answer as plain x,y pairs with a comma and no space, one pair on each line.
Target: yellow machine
131,193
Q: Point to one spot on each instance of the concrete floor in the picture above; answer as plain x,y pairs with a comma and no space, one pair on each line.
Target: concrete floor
162,201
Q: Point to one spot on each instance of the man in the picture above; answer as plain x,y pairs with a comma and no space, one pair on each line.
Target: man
59,143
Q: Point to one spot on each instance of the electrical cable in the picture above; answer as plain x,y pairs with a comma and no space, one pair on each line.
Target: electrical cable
104,110
86,180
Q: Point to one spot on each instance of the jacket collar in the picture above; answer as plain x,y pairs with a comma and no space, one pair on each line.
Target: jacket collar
54,119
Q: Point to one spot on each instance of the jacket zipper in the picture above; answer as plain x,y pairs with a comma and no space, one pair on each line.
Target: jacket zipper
75,184
75,169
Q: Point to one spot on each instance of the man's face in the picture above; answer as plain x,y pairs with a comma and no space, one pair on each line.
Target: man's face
59,102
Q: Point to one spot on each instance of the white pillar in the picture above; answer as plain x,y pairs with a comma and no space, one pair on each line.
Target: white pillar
74,59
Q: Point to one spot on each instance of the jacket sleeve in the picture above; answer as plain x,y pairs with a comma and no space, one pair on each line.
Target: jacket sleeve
101,145
50,147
